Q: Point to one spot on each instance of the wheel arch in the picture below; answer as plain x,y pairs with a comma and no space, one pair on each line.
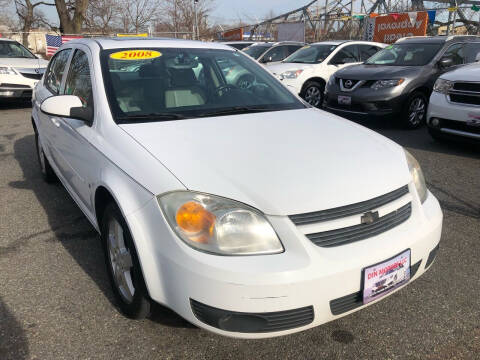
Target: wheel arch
425,90
316,79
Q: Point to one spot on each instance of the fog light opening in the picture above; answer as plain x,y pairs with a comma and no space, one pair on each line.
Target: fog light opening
435,122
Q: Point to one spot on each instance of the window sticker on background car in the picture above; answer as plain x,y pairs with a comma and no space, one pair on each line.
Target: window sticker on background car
135,54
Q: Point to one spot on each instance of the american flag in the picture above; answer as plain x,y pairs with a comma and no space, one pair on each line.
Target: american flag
55,41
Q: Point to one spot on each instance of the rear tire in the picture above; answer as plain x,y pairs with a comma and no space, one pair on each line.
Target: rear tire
312,93
415,110
48,174
122,264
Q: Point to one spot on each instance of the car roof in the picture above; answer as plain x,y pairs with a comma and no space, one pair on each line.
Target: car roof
340,42
136,42
439,39
9,40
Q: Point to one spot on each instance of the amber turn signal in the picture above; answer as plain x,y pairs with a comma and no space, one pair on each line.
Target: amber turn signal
196,222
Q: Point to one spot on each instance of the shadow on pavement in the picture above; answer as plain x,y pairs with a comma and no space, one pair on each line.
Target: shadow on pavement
9,104
420,139
71,228
13,342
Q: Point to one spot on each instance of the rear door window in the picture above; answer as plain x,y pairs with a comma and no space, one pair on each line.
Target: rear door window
473,49
367,51
346,55
54,73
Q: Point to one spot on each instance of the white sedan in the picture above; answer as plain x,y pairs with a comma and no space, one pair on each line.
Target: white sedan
243,209
20,70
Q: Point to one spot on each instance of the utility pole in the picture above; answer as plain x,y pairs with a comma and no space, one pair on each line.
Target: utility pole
195,25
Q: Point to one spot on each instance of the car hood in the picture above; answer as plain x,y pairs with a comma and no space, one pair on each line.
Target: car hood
377,72
464,73
22,63
280,68
281,162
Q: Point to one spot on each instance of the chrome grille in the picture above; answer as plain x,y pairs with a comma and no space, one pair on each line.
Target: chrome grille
465,93
348,210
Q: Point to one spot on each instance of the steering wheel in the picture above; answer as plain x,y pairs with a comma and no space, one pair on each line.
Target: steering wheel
225,89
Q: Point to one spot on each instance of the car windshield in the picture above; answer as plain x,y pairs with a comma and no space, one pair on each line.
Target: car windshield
311,54
256,50
407,54
176,83
10,49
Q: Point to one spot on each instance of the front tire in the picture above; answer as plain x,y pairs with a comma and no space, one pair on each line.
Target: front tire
48,174
123,266
415,111
312,93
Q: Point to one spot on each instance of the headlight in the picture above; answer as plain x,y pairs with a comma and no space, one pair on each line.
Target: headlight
292,74
442,86
217,225
380,84
417,175
6,70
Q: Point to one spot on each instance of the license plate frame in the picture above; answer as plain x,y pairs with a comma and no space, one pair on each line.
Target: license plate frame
395,271
344,100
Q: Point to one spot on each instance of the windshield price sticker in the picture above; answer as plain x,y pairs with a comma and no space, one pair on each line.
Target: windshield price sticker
135,54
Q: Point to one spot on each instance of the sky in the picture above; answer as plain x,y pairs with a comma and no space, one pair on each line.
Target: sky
229,11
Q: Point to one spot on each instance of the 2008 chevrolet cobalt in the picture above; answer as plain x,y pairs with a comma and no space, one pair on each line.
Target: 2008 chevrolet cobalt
244,210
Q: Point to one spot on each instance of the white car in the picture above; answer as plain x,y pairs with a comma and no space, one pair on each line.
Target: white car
307,71
454,107
20,70
244,210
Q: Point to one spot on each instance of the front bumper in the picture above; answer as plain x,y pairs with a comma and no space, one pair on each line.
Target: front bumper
327,280
365,102
453,119
16,86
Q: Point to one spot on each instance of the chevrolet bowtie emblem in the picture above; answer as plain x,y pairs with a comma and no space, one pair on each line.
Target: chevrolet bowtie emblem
369,217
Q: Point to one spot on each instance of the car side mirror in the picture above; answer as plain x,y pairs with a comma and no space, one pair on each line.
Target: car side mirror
67,106
445,62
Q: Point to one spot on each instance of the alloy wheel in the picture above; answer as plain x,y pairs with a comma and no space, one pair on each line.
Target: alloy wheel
416,111
120,261
313,96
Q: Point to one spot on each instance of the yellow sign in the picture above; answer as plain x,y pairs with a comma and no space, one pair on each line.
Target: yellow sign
135,54
452,9
133,35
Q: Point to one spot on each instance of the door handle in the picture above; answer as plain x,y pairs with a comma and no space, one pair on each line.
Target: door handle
55,121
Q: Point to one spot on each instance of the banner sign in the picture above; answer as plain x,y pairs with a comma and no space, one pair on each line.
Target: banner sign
388,29
291,31
133,35
369,29
233,35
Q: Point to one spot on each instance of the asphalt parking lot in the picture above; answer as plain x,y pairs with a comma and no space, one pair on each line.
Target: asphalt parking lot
56,302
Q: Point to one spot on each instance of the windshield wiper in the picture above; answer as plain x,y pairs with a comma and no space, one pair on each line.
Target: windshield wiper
235,110
150,117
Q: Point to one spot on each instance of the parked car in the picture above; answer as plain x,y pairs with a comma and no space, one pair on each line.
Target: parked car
19,70
454,107
308,70
399,79
272,53
239,45
242,209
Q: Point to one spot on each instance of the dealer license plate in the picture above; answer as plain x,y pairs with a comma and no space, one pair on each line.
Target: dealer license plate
383,278
344,100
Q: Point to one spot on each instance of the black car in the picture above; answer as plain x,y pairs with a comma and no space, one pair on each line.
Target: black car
398,80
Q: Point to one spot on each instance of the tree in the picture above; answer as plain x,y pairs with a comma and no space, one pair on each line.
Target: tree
179,16
102,15
29,15
136,14
71,14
